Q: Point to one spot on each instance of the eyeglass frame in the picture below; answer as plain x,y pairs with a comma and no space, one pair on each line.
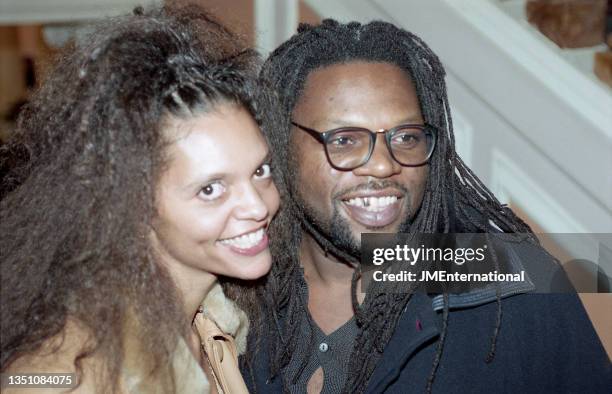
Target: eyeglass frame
323,137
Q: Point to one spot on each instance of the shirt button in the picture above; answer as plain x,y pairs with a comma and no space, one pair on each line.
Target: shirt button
323,347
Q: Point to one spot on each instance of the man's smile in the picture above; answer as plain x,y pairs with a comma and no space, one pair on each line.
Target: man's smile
374,208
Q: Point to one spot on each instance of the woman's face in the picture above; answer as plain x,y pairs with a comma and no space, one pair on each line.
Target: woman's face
216,197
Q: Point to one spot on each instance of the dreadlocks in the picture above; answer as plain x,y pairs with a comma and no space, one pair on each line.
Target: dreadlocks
451,195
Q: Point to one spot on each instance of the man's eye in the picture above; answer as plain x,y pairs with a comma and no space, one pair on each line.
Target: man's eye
406,139
263,172
212,191
342,141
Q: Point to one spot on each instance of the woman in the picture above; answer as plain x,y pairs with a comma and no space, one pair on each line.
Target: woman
146,186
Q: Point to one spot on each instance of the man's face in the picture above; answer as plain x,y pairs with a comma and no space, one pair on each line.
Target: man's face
381,195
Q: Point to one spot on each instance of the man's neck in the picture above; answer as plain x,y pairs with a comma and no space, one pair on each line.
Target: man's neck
321,268
329,286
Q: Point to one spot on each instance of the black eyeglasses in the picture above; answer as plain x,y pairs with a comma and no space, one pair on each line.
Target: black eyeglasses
347,148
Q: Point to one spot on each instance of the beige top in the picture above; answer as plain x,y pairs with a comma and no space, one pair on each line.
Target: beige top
223,329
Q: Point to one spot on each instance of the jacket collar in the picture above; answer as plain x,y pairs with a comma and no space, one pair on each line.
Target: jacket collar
188,374
421,321
489,293
227,316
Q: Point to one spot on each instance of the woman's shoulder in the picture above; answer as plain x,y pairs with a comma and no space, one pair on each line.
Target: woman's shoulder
227,315
58,355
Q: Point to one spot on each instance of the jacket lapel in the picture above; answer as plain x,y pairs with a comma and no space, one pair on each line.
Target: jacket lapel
417,325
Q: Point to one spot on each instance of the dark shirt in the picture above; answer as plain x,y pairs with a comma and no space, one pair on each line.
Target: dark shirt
315,349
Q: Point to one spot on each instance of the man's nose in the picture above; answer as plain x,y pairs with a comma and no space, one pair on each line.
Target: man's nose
381,163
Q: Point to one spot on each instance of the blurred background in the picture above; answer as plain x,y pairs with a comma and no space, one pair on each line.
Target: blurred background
529,81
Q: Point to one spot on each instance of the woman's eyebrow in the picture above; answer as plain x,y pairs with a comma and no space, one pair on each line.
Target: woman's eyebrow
203,179
266,158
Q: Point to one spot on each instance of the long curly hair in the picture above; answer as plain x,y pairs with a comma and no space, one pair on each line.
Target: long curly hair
454,199
78,198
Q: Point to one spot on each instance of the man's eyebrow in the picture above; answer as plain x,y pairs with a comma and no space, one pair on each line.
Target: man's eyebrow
332,123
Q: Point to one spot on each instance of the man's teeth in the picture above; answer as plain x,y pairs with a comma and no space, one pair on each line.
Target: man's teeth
245,241
372,203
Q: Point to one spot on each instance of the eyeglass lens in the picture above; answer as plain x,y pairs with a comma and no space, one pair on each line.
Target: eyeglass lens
350,148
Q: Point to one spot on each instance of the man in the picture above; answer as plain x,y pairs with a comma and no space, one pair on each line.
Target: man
335,82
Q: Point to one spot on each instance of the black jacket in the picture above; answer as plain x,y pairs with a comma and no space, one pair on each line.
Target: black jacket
546,343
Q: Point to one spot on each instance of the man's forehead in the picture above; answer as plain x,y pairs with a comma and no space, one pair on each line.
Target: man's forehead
346,72
358,93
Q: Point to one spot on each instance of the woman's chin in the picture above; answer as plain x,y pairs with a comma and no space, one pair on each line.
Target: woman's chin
253,270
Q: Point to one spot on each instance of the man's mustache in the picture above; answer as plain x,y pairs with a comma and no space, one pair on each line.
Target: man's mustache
372,185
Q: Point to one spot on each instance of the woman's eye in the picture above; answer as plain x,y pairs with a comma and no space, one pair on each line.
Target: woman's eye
212,191
263,172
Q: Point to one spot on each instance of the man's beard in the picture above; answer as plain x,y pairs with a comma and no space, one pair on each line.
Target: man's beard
335,234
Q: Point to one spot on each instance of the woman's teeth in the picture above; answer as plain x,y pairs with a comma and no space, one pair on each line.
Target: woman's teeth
245,241
372,203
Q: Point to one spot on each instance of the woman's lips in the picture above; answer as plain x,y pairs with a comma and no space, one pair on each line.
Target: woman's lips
382,217
253,250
